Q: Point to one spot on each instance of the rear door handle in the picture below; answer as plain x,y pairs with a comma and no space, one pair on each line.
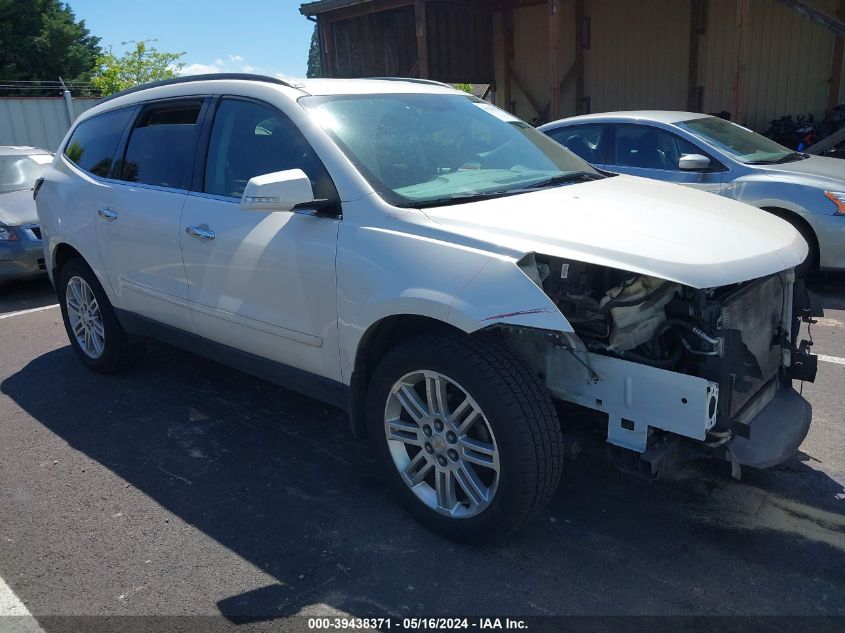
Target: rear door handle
108,214
200,232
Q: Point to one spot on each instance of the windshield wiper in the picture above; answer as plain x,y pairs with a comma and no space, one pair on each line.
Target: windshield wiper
792,156
458,198
573,176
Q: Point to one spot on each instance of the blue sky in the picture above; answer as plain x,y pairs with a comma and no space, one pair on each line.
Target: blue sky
263,36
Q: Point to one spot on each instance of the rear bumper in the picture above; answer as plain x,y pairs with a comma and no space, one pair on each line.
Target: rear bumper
22,259
776,431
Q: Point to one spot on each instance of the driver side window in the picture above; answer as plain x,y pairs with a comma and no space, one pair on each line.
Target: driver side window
647,147
250,139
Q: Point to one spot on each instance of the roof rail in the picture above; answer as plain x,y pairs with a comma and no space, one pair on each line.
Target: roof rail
414,80
192,78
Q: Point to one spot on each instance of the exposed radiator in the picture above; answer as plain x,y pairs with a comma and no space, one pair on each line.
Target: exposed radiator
757,311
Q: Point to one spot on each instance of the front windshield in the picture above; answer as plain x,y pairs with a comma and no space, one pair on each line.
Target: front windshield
20,172
741,143
428,149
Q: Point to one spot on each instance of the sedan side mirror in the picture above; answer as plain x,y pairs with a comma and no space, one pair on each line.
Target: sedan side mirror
693,162
279,191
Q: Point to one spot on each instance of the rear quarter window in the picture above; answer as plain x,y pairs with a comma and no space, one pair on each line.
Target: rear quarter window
94,142
161,146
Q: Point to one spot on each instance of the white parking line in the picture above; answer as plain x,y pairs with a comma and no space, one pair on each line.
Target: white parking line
832,359
9,315
14,616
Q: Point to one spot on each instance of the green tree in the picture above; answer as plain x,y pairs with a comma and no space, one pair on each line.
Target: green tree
465,87
41,40
315,60
138,66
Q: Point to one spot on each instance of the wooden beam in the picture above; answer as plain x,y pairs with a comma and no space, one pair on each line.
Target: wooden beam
422,38
819,17
743,19
554,60
698,17
836,64
578,65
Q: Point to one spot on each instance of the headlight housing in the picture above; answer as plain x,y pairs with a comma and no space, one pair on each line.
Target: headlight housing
838,198
8,234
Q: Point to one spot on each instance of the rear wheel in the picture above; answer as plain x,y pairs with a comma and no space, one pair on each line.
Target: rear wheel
467,436
92,327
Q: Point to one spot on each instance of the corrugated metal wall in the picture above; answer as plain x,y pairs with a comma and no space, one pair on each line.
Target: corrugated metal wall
374,45
531,51
459,42
787,61
36,121
639,55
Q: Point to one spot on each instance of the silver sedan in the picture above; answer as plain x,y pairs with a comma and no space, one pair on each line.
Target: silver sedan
21,254
715,155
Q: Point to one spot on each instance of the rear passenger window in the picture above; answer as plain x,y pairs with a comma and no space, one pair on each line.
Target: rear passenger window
94,141
250,139
582,140
161,145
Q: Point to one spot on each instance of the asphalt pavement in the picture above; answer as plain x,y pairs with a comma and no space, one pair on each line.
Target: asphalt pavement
184,488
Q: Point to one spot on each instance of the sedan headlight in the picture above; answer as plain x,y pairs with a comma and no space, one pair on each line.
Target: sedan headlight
8,235
838,198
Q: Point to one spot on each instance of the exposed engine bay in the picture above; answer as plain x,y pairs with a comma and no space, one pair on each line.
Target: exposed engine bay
738,338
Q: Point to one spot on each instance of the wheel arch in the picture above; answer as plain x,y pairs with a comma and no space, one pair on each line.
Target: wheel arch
795,218
62,254
380,337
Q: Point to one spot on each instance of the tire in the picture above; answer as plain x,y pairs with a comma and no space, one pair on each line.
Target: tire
515,418
116,351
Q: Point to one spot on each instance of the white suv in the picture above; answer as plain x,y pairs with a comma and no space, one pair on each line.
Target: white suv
436,267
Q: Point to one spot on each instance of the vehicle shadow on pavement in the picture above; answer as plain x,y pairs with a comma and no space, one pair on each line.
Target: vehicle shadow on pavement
277,479
26,295
829,288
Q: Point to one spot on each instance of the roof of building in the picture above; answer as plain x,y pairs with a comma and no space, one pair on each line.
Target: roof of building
321,6
657,116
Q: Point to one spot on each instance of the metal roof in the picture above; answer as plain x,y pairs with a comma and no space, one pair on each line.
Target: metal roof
321,6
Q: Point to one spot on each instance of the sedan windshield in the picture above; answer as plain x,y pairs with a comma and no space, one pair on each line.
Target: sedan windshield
20,172
427,149
741,143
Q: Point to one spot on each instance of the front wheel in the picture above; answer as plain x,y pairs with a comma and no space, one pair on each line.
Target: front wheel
467,436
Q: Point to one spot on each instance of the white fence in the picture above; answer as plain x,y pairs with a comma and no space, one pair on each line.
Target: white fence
39,121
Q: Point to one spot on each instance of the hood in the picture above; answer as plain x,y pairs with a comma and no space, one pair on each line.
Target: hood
18,207
643,226
820,170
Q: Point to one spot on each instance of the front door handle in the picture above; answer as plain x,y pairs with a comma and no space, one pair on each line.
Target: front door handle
200,232
107,214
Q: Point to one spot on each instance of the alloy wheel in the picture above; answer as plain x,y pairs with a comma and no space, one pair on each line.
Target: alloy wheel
85,319
442,444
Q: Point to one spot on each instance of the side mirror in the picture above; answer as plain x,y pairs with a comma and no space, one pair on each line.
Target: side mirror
279,191
693,162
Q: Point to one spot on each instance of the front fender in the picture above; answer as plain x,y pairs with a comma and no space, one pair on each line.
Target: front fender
383,273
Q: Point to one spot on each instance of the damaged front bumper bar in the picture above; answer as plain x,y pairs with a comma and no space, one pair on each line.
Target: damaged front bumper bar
775,433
